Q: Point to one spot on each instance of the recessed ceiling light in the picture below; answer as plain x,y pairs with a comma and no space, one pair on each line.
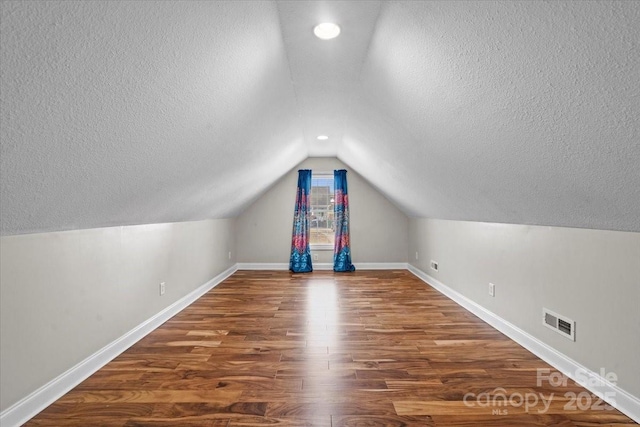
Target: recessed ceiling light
323,137
326,30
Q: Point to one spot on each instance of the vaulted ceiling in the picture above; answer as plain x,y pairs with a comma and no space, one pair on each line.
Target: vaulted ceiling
118,113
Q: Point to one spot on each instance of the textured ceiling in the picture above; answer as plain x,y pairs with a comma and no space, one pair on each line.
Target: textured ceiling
119,113
139,112
326,73
519,112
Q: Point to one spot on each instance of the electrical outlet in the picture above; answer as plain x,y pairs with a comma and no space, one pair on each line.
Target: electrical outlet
492,290
315,257
434,265
416,254
229,254
163,288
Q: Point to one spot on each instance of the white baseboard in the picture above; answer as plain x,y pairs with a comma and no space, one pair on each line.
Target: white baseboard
323,266
31,405
263,266
594,382
381,265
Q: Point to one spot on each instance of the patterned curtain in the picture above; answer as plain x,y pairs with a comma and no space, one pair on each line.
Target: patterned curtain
342,245
300,261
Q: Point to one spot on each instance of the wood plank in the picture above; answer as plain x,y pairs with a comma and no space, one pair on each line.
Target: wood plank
378,348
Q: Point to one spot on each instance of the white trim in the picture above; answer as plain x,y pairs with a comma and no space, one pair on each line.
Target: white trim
35,402
262,266
381,265
622,400
29,406
323,266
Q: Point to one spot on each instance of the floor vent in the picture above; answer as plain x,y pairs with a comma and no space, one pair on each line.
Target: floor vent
561,324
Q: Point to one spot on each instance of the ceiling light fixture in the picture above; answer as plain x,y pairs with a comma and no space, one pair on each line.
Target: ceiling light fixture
326,30
322,137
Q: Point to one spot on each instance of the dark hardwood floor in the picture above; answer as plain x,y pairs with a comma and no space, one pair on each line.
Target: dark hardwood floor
369,348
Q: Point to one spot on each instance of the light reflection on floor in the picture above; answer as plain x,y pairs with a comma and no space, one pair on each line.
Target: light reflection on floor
322,313
322,330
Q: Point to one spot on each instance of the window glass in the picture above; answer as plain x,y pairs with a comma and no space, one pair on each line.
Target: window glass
322,227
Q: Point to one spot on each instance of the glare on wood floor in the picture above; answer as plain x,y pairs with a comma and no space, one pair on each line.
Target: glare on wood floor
369,348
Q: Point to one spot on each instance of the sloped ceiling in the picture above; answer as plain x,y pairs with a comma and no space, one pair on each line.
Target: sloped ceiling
119,113
518,112
141,112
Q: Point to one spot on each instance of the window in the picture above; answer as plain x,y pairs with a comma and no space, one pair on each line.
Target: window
322,227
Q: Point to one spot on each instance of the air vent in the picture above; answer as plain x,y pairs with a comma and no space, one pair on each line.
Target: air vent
551,320
561,324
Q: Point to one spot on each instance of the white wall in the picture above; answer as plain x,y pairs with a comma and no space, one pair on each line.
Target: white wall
378,228
590,276
65,295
